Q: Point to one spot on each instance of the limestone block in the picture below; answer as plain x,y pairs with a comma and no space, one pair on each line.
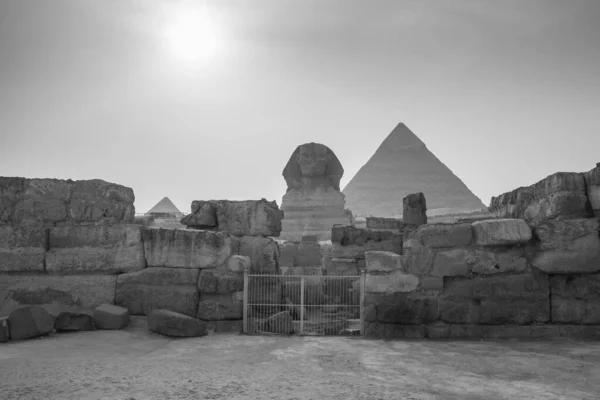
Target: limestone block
99,201
496,300
56,293
407,309
216,307
263,253
238,218
387,224
4,330
592,182
396,281
442,235
22,249
280,323
184,248
174,289
452,263
42,202
487,262
559,196
169,323
220,281
431,283
29,322
571,246
108,316
575,299
68,321
383,261
501,232
97,249
414,209
239,264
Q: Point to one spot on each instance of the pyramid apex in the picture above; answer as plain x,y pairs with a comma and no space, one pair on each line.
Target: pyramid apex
401,138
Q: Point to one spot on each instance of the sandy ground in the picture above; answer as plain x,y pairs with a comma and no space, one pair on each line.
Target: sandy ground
134,364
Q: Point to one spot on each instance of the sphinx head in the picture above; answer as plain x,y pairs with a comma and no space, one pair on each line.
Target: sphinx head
311,165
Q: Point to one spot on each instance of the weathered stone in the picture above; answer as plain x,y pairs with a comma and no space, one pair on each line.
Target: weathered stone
571,246
108,316
452,263
437,330
431,283
496,300
30,321
383,261
67,321
575,299
4,330
342,268
95,249
174,289
313,203
169,323
96,200
442,235
56,293
42,202
394,331
238,218
388,224
559,196
239,264
392,282
280,323
414,209
220,281
22,249
263,253
184,248
407,309
487,262
499,232
216,307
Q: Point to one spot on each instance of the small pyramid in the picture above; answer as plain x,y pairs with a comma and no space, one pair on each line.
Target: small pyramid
165,206
403,165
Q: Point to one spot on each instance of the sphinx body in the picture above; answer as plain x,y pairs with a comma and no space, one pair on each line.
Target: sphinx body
313,203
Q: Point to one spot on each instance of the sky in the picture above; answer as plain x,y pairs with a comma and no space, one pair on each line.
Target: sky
199,100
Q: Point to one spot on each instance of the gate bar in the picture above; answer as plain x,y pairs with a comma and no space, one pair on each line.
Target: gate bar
245,311
363,278
302,305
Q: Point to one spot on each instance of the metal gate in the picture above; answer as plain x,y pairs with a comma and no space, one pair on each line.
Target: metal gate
304,304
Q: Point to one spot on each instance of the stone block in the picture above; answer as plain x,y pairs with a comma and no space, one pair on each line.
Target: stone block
174,289
40,202
238,264
501,232
486,262
575,299
383,261
220,281
69,321
263,253
571,246
56,293
99,201
238,218
559,196
280,323
442,235
184,248
29,322
388,224
431,283
394,331
97,249
505,331
407,309
437,330
496,300
22,249
454,262
314,291
170,323
414,209
4,330
392,282
108,316
217,307
458,331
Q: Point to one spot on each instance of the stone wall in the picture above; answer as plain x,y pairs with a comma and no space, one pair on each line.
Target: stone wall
488,279
69,245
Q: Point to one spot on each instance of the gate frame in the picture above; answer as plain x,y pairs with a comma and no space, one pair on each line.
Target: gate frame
362,279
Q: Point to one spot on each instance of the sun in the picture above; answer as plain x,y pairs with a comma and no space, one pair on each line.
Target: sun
193,36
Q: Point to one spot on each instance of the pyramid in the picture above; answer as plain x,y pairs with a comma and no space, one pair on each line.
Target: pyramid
403,165
165,206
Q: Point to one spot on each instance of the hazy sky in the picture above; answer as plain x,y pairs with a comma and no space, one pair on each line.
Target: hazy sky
208,99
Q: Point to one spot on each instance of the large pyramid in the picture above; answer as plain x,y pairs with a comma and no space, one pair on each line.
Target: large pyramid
403,165
165,206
